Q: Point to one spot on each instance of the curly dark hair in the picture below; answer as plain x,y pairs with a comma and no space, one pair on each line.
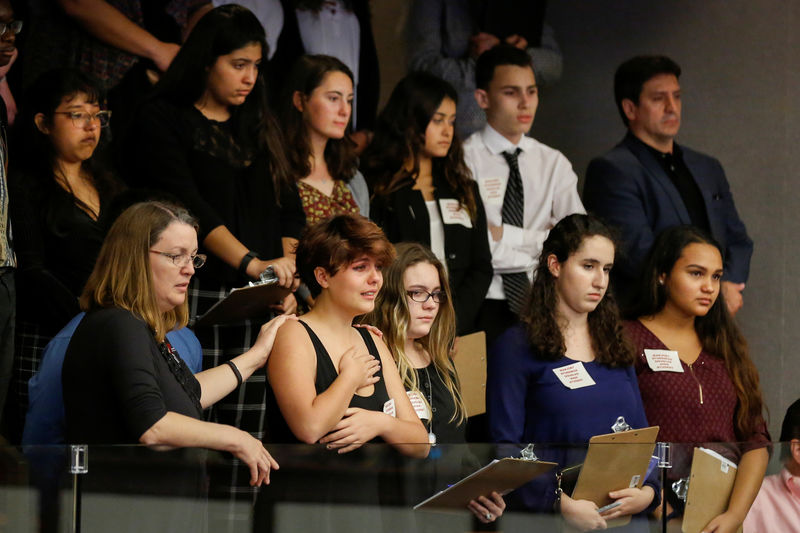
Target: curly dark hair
541,317
717,331
400,137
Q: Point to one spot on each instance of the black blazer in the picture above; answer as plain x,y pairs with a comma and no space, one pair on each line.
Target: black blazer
630,189
404,218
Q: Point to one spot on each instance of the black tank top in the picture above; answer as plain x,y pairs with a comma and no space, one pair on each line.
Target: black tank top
277,430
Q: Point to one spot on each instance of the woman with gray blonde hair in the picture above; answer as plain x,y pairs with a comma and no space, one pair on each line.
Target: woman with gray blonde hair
123,380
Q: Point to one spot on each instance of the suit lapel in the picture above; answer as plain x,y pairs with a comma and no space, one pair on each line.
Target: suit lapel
706,181
659,175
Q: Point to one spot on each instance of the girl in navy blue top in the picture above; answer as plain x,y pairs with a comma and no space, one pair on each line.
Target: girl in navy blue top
565,374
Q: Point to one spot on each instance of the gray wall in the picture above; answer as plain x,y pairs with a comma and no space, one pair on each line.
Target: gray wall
740,83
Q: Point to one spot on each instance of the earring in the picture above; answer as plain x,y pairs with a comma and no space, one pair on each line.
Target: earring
661,282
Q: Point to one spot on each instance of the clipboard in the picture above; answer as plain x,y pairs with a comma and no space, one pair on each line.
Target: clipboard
501,476
710,487
244,303
613,462
470,363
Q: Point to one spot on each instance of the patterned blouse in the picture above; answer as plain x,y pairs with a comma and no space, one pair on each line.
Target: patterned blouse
694,407
319,206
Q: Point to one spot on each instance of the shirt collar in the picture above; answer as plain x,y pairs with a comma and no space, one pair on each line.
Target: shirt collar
676,150
791,482
497,144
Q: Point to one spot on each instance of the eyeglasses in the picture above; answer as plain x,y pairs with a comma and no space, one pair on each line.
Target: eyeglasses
82,119
15,26
420,296
181,260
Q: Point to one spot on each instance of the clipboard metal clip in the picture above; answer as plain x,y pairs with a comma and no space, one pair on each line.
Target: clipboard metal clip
681,488
620,425
527,453
266,277
664,454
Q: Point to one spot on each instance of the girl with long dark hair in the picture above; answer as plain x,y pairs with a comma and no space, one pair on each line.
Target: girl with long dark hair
712,393
423,191
60,209
570,324
315,117
208,137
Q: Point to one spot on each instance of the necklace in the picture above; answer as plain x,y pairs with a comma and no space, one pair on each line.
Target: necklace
429,397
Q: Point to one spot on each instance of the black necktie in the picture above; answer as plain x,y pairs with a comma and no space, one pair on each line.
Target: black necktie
515,285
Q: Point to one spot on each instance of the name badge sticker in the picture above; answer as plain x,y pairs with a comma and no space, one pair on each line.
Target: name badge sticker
454,213
491,191
418,403
574,376
389,409
663,360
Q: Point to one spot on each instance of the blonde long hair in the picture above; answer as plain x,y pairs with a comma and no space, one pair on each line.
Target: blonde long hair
391,317
121,275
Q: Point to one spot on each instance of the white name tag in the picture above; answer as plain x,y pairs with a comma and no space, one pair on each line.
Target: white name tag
389,409
492,190
419,404
663,360
454,213
574,376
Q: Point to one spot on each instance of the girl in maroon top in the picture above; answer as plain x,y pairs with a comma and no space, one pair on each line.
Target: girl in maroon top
711,393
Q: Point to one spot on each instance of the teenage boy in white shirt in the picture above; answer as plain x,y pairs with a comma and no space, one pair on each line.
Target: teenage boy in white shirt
544,193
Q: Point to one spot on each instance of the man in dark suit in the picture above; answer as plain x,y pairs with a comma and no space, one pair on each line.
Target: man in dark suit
648,182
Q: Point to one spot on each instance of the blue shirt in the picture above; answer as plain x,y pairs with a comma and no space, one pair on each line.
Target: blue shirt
527,403
44,423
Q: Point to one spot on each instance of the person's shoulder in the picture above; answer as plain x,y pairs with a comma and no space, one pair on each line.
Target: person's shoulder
694,156
512,343
474,140
619,153
531,145
99,321
292,333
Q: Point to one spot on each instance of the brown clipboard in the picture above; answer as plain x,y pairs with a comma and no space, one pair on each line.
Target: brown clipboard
613,462
244,303
710,486
470,363
501,476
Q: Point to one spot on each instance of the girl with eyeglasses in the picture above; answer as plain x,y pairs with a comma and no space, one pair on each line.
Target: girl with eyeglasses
423,191
414,311
62,194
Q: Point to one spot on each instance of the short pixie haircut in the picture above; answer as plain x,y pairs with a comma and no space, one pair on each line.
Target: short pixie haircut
500,55
336,242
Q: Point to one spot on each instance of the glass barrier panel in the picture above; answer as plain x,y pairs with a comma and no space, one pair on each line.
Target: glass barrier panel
376,488
36,489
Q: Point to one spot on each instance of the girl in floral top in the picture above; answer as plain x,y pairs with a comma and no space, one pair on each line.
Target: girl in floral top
316,110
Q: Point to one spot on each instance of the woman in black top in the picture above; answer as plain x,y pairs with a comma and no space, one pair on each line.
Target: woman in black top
415,314
322,368
208,137
61,198
423,191
123,381
337,385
